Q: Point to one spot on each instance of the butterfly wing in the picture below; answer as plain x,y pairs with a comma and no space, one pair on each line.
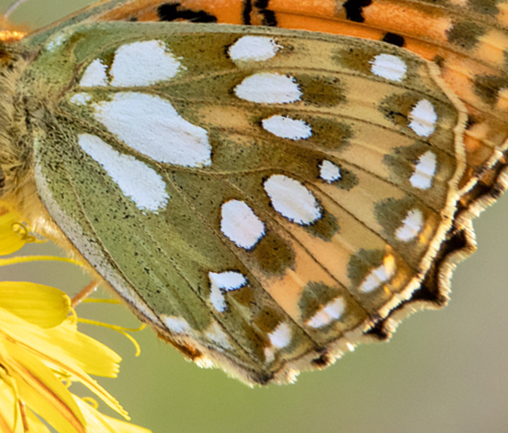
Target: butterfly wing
467,41
261,198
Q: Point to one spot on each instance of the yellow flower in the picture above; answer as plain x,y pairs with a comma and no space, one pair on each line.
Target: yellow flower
12,233
41,351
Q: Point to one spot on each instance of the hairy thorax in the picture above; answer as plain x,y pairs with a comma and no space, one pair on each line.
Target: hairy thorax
21,117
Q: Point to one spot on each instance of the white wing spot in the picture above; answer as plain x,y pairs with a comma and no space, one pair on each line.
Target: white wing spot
94,75
328,313
178,325
280,338
329,171
143,64
285,127
136,179
240,224
215,334
224,282
390,67
253,48
80,98
292,200
379,276
411,226
269,88
425,170
150,125
423,118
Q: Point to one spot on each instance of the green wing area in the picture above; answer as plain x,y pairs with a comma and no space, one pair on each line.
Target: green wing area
262,198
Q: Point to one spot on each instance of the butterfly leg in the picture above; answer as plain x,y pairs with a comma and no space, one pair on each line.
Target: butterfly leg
83,293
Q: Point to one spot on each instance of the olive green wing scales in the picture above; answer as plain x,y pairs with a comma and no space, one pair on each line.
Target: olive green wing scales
260,198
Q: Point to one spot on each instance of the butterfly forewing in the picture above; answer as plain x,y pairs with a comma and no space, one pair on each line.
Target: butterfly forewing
261,198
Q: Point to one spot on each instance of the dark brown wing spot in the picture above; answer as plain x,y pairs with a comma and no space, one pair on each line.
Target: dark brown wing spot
487,87
486,7
354,9
394,39
325,228
175,12
273,255
269,18
323,361
465,34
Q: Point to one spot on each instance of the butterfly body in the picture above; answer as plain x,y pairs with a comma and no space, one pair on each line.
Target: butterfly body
264,198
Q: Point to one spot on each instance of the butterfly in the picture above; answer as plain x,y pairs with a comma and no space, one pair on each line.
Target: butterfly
264,197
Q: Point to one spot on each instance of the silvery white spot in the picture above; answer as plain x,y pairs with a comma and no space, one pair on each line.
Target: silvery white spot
177,324
292,200
253,48
331,311
423,118
280,337
389,67
240,224
136,179
425,170
80,98
411,225
56,42
379,276
150,125
143,64
269,88
215,334
329,171
285,127
224,282
94,75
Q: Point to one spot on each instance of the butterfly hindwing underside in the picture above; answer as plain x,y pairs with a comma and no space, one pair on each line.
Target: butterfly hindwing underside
467,40
261,197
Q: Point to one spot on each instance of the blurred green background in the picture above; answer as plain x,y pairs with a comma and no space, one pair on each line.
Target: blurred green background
444,371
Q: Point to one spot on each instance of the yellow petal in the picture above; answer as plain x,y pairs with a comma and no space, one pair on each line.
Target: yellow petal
35,425
39,388
40,305
10,416
63,345
91,355
10,240
66,350
99,423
